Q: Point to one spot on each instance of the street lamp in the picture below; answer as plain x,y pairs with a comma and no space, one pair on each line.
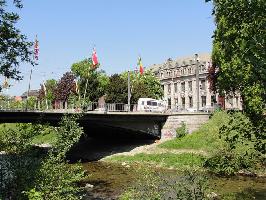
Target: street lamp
128,90
197,79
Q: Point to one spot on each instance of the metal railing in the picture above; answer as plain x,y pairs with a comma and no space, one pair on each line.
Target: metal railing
76,106
36,105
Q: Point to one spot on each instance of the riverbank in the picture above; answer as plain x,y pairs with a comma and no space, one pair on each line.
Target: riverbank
190,153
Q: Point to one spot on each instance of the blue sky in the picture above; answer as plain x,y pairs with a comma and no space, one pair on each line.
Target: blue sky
120,29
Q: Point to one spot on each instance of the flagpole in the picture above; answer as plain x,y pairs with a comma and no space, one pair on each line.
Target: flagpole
78,91
94,64
31,71
45,94
128,90
28,89
85,90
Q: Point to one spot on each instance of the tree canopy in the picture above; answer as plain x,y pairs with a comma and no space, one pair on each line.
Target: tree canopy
14,47
144,85
95,79
50,86
239,53
64,87
116,92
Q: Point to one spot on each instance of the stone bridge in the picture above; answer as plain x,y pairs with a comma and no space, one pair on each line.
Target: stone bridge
97,123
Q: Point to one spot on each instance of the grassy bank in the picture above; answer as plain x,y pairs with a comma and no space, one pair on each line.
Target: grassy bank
168,160
204,140
39,134
226,145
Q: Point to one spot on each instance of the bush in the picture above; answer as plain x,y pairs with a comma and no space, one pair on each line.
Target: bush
28,174
240,152
181,131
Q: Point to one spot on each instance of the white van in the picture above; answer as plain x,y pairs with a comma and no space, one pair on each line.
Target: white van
151,105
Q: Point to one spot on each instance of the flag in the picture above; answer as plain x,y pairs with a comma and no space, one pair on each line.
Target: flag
141,70
44,88
94,58
6,84
76,87
36,49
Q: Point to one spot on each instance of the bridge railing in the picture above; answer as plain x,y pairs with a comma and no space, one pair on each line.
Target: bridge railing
37,105
77,106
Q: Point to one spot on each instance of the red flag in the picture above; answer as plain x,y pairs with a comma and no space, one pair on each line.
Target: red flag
94,58
36,49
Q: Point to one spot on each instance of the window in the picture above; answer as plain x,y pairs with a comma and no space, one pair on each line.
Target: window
142,103
169,88
190,102
154,103
183,102
203,101
169,73
190,86
183,87
169,102
175,84
176,101
237,102
213,100
148,103
202,85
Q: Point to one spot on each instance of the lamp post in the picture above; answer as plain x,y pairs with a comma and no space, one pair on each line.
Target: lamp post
197,79
128,90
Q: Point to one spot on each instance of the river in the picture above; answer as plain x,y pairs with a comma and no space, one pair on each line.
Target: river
107,180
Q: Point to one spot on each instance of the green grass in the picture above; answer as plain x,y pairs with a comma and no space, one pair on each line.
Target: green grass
49,138
46,135
177,161
205,138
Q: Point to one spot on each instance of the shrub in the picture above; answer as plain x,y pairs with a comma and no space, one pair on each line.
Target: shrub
28,174
182,130
240,152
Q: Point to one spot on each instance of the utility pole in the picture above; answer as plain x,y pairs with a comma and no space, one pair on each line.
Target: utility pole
197,79
128,90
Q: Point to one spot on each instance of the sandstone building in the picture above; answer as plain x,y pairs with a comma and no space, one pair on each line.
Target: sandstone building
178,79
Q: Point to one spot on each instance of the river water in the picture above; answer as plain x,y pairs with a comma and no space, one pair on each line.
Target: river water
107,180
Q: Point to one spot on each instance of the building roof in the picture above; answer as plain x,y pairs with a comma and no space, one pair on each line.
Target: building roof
33,93
180,61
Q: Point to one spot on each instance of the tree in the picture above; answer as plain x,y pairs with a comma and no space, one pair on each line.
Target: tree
116,91
239,55
64,87
14,47
145,85
96,80
50,85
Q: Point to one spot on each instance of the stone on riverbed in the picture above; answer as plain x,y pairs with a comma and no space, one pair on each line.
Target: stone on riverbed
89,186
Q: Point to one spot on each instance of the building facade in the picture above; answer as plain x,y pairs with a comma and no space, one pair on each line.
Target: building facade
178,79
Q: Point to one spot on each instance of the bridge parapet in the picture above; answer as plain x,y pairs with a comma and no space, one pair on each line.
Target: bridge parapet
192,121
